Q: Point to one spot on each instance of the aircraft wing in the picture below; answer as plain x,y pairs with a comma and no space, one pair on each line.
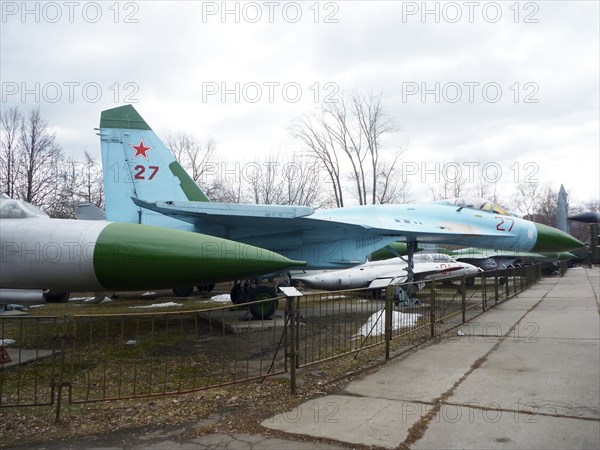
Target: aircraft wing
238,221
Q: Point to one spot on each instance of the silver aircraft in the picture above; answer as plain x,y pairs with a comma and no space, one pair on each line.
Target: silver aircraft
42,257
379,274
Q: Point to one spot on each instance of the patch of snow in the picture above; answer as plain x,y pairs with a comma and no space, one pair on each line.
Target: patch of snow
6,342
157,305
148,294
131,342
90,300
221,298
375,325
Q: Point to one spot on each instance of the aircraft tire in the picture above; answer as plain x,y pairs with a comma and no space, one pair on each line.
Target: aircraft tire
205,288
470,281
183,292
263,310
237,294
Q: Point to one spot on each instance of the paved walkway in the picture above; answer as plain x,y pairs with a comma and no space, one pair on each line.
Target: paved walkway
526,374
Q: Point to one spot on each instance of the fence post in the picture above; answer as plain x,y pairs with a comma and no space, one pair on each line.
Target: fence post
496,295
64,336
483,292
432,309
291,311
388,321
463,300
297,334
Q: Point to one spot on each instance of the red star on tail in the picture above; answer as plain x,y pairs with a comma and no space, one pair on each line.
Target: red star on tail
140,149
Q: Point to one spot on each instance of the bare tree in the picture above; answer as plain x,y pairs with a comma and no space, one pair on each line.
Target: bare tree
351,133
373,125
10,125
315,133
391,186
64,199
265,183
301,181
31,159
224,190
40,160
452,182
526,198
547,205
90,186
191,153
294,182
484,187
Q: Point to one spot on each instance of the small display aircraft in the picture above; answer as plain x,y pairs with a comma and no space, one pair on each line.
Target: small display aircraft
586,217
378,274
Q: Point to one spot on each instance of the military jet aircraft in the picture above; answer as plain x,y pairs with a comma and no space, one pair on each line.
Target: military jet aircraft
60,255
145,184
379,274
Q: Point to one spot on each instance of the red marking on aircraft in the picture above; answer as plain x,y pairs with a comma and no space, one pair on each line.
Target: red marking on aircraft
140,149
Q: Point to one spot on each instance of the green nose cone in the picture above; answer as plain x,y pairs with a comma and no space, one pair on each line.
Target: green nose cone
131,257
553,240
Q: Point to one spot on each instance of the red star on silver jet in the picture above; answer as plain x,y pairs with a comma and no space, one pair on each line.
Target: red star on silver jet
140,149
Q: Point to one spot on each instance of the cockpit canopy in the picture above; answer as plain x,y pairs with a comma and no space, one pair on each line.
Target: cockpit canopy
480,204
433,257
19,209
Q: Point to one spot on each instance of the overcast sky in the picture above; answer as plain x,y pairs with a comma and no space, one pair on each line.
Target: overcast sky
509,85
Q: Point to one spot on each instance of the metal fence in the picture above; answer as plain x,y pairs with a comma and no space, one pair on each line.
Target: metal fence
90,358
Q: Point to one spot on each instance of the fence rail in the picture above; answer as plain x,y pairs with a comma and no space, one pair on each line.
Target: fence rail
108,357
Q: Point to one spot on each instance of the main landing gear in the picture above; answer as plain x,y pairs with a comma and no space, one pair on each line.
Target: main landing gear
406,295
245,293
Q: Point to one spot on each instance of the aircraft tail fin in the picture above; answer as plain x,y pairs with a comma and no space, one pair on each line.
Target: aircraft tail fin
136,164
